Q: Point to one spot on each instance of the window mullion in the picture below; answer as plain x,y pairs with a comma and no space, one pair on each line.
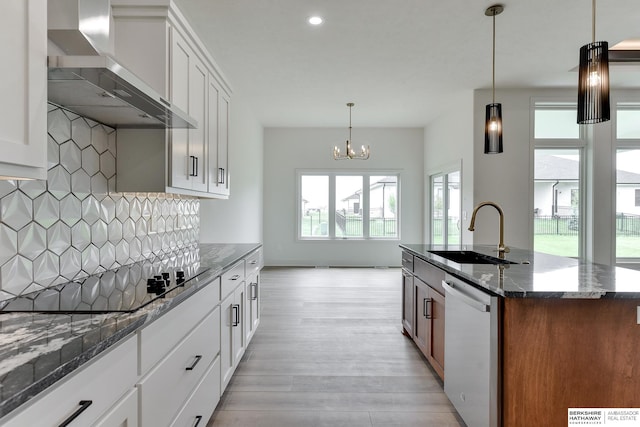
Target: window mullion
366,211
332,206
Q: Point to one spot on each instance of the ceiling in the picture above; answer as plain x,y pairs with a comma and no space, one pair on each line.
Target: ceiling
400,61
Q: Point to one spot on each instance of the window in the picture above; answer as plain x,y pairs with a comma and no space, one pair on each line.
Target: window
628,120
348,205
627,204
555,121
556,202
445,208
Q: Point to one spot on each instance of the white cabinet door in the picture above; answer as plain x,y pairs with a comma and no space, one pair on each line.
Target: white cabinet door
198,95
232,337
238,333
213,134
181,62
252,309
223,145
123,413
23,84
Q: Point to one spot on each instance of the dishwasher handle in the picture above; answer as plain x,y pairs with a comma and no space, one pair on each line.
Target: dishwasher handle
478,305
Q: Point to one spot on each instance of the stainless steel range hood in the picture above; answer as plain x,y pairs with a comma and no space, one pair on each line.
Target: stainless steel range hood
99,88
89,81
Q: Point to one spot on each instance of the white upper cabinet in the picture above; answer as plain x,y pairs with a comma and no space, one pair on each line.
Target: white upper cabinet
156,42
23,84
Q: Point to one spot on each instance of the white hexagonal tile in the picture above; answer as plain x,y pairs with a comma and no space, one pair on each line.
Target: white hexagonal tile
107,255
99,139
59,238
122,275
122,252
32,188
147,246
70,296
99,186
8,243
108,209
156,243
81,133
46,210
53,152
112,142
90,161
128,229
32,240
161,225
99,233
90,210
135,250
90,289
45,268
70,209
111,184
16,275
70,114
107,283
58,126
70,263
107,164
70,157
114,231
16,210
141,227
7,187
135,209
169,224
90,259
80,184
122,209
80,235
58,182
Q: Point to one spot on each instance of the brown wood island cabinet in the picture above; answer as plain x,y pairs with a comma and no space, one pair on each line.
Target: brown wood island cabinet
423,308
567,333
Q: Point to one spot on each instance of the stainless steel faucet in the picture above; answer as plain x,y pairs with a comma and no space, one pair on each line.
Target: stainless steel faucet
502,249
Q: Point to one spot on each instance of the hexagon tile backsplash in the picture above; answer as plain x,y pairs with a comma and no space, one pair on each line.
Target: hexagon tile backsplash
74,224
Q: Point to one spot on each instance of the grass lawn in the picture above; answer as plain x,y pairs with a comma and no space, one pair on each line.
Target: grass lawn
626,246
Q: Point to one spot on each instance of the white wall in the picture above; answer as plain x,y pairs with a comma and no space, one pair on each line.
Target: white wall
289,149
449,140
238,219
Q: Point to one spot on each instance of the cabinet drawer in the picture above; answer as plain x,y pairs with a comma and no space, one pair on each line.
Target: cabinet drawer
203,401
164,390
102,382
232,278
429,274
254,263
407,261
162,335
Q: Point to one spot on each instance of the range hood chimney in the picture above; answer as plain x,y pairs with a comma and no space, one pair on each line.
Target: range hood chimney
89,81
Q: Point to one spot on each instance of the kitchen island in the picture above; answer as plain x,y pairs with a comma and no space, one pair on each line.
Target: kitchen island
567,332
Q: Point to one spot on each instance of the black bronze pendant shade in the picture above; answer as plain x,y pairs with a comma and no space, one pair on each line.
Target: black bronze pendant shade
593,80
493,122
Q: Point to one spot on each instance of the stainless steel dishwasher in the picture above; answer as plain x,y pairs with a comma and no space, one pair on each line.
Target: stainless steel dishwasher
471,357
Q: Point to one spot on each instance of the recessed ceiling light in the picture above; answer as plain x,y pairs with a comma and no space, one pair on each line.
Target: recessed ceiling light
315,20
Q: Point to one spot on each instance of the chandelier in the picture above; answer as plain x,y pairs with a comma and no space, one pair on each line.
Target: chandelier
349,153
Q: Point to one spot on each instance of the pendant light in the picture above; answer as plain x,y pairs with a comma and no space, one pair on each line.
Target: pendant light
593,79
493,123
350,154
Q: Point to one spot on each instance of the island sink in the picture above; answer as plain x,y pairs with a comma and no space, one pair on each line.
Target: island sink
470,257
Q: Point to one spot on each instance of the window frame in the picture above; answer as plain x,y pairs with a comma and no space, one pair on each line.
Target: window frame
580,143
366,188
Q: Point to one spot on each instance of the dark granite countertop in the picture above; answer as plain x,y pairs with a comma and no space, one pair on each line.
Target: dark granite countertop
38,349
536,275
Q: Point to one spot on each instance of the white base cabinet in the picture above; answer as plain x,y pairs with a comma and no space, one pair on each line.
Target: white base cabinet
232,336
123,414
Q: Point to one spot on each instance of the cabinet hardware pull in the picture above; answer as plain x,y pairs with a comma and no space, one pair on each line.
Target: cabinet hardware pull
253,262
254,291
235,277
425,308
198,419
236,314
195,362
165,102
84,404
194,166
221,175
196,169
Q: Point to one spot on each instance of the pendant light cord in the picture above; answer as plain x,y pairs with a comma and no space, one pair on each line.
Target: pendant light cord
493,67
593,21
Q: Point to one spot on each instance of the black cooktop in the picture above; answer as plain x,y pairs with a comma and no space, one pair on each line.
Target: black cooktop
123,290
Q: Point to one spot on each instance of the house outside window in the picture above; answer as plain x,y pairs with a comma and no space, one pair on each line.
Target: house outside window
348,205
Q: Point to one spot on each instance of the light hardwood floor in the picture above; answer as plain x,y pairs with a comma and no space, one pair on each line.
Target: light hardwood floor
329,352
